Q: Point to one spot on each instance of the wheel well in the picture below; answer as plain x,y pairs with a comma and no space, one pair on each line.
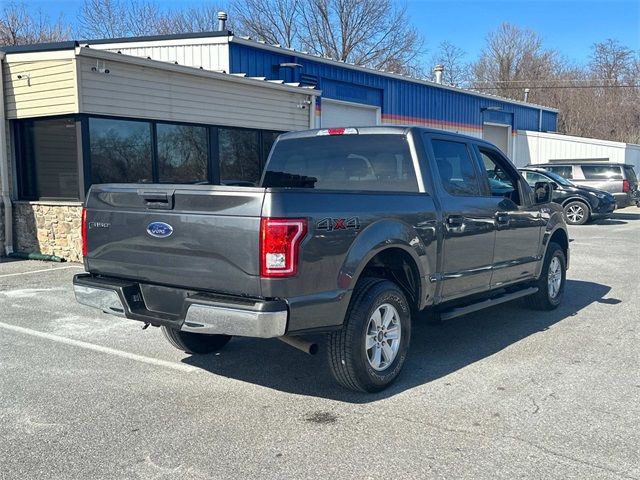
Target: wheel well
577,199
396,265
560,237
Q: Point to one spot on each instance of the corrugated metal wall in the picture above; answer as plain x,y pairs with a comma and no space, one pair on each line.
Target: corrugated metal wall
401,101
536,147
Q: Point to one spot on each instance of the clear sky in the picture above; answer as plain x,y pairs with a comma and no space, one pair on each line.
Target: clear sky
570,26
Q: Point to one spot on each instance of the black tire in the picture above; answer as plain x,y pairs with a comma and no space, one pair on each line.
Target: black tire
543,300
577,212
347,352
195,342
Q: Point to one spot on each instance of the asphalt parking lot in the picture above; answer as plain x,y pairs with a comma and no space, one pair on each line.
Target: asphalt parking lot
503,393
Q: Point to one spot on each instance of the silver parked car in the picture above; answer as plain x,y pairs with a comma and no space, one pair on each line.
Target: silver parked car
619,179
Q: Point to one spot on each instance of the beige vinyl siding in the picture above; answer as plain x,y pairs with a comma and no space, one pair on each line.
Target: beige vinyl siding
50,90
130,90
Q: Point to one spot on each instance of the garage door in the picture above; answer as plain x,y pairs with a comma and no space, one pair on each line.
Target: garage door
339,114
498,135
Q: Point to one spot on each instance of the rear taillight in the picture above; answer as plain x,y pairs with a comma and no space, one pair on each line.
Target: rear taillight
279,242
84,232
625,186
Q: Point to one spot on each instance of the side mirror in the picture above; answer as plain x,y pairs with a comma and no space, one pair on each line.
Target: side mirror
542,192
554,185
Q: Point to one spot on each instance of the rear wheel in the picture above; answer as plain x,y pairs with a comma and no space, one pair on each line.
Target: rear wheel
369,351
551,282
195,342
576,212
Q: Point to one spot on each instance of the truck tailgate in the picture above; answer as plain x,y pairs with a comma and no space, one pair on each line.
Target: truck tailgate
190,236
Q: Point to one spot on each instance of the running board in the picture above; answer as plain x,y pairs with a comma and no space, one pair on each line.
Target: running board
474,307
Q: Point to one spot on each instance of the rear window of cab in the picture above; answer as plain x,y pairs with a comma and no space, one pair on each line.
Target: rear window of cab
342,162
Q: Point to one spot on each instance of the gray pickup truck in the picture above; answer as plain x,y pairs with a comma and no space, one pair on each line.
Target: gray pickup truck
353,232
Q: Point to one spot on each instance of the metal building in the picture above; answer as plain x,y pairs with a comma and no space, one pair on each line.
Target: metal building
351,95
191,108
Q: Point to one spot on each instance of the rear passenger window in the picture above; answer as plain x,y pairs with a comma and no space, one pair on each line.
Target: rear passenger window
565,171
455,168
343,162
601,172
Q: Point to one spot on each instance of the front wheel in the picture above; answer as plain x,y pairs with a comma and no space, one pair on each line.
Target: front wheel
576,213
195,342
551,282
369,351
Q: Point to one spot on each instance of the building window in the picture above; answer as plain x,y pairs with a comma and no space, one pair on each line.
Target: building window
47,159
182,153
239,152
268,139
120,151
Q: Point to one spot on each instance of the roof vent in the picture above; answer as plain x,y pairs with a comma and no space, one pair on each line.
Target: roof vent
222,21
438,72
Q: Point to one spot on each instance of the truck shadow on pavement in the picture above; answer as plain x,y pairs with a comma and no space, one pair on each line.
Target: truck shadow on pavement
436,350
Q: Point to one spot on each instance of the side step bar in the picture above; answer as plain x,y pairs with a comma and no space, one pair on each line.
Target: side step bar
474,307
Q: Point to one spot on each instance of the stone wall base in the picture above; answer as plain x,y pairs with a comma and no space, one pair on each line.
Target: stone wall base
52,229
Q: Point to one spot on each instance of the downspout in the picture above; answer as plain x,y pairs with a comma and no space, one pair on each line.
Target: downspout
4,168
540,120
312,111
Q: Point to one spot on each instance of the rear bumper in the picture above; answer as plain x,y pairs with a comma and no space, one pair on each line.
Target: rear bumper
198,313
622,199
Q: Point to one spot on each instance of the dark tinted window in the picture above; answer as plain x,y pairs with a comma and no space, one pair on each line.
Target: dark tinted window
48,159
601,172
182,153
239,156
120,151
344,162
565,171
455,168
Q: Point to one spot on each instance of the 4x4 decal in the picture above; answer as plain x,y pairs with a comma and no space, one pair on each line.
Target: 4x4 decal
331,224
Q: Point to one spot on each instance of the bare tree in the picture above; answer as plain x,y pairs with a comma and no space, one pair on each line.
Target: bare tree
118,18
374,33
121,18
512,56
452,58
20,25
612,61
202,18
273,21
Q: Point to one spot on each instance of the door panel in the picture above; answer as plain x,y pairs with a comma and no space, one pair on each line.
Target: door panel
467,219
518,220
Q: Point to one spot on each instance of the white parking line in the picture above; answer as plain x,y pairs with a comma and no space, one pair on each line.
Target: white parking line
97,348
40,271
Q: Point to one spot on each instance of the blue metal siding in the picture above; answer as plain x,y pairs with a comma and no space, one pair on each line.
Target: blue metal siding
402,101
549,121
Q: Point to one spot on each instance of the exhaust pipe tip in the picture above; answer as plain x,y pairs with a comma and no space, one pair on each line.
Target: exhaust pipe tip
310,348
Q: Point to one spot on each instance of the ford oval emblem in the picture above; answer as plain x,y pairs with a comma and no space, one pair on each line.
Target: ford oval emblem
159,229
